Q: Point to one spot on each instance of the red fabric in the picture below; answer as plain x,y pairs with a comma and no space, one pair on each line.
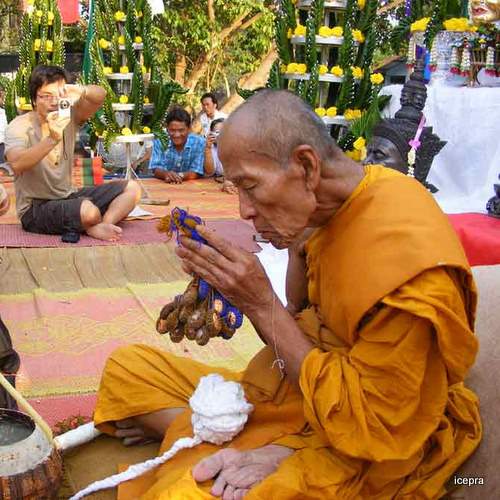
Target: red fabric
97,169
70,11
480,237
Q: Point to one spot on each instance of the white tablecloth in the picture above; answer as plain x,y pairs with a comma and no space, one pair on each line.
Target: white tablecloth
468,166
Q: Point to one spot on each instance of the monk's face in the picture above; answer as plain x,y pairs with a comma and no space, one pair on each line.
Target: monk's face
278,199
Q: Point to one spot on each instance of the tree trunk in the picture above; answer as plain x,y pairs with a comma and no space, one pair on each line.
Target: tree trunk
252,81
217,40
180,68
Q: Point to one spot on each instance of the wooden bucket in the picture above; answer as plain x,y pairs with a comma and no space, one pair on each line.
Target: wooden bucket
30,464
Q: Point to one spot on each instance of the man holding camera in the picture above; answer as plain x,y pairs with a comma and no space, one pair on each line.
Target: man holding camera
40,148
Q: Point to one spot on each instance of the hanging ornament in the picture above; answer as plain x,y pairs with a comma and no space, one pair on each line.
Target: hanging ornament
465,64
454,64
433,56
490,62
410,58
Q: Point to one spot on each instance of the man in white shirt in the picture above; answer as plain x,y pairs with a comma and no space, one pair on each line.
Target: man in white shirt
210,113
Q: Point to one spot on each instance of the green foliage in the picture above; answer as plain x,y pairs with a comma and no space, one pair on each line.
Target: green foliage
206,54
313,86
282,42
41,43
436,22
245,93
10,95
275,80
138,100
311,52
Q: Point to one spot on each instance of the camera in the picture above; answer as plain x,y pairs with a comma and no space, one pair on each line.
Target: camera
64,107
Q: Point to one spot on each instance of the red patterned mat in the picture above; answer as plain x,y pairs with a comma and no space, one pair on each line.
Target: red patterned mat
65,338
137,232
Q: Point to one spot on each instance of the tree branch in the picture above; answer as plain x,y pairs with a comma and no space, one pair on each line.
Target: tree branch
211,11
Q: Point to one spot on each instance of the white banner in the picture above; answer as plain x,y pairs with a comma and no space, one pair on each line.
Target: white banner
157,6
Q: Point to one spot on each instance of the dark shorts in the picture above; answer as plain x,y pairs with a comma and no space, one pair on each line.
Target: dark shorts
63,216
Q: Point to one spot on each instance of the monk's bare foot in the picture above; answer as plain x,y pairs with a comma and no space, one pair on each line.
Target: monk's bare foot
131,434
105,231
236,472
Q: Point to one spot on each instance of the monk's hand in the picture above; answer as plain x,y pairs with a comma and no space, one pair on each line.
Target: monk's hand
235,273
236,472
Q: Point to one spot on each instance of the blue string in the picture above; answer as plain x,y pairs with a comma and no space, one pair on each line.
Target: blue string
230,315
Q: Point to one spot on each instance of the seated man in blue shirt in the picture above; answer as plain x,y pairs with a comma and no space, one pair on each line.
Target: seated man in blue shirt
184,157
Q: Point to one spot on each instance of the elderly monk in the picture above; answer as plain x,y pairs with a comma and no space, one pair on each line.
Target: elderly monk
367,398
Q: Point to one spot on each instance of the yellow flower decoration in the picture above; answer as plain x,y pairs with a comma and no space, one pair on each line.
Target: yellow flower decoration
321,112
300,30
354,155
349,114
144,70
30,2
457,24
301,69
325,31
359,143
337,31
322,69
124,69
139,14
37,43
49,45
361,4
146,130
337,71
26,107
103,43
107,70
420,24
138,39
123,99
357,72
377,78
22,100
50,18
39,13
289,33
356,113
120,15
146,100
331,111
121,40
358,36
283,68
126,131
292,68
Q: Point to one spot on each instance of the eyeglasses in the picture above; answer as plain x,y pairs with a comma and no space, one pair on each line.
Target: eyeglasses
47,97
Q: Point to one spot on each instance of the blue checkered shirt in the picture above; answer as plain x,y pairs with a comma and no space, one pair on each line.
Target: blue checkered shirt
190,159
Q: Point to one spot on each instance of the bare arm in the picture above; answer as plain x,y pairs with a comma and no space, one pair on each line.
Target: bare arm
91,99
208,165
240,277
22,160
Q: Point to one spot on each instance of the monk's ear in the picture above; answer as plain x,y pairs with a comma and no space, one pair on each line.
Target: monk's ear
305,156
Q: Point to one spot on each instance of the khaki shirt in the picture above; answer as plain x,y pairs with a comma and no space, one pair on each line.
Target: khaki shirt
51,178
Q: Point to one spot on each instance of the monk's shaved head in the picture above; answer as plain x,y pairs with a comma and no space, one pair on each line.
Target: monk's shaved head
273,123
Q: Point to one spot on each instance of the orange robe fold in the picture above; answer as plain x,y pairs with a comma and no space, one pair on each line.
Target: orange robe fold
382,411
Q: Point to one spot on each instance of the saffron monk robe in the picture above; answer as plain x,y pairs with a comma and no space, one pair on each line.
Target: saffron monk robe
376,340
